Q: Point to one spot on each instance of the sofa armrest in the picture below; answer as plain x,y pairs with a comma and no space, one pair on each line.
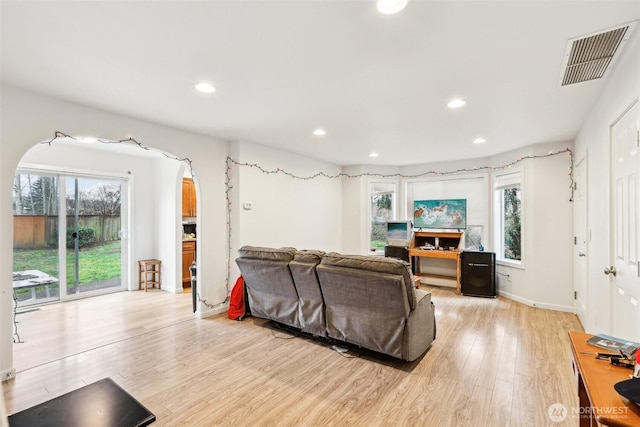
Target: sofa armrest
420,329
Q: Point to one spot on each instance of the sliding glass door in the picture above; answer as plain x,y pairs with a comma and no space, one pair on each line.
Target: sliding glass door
36,266
93,243
67,236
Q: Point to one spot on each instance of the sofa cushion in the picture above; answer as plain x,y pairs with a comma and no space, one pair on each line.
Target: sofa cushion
305,277
366,308
270,254
310,256
375,264
270,288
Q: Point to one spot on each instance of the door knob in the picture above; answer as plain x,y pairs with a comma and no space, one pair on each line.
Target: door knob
610,270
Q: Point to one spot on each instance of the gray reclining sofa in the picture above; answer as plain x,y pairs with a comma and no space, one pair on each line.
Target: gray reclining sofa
367,301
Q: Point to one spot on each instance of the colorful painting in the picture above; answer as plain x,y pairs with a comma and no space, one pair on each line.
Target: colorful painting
440,213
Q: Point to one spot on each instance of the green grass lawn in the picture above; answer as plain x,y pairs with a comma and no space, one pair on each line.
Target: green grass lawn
97,263
378,244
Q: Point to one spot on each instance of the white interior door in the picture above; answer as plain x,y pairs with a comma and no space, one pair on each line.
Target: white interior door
580,242
624,271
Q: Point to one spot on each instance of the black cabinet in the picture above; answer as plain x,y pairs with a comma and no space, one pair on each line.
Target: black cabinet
478,275
400,252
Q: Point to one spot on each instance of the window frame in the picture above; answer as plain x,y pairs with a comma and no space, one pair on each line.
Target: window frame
498,214
394,208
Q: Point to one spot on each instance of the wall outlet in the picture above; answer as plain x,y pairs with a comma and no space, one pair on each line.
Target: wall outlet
247,206
9,375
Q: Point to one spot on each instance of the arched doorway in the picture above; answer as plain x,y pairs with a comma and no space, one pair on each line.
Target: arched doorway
149,221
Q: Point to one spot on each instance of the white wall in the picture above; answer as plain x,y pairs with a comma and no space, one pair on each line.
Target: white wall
546,278
285,211
167,215
355,212
593,142
471,187
28,118
472,184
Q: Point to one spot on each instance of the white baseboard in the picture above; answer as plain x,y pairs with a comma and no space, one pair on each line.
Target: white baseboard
8,374
211,311
556,307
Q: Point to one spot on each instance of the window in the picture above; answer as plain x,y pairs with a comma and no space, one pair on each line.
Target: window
508,215
382,203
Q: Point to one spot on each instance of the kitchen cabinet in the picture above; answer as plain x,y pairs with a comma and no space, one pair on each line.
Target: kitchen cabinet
188,197
188,256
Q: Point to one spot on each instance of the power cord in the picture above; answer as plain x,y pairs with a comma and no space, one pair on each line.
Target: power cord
343,352
275,327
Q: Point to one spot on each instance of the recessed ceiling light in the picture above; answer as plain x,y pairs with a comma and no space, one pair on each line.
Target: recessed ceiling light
479,141
389,7
319,132
373,155
205,87
456,103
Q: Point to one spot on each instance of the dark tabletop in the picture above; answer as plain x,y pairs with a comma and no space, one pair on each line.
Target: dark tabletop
101,404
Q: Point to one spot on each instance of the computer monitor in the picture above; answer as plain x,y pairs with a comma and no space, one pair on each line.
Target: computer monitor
399,233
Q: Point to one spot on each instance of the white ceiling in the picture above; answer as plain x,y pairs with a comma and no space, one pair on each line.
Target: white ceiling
376,83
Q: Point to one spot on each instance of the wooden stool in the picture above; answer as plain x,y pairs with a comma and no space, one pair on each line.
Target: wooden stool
146,268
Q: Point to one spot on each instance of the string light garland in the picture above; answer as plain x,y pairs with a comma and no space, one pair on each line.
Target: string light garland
227,189
220,304
16,338
60,135
405,176
230,162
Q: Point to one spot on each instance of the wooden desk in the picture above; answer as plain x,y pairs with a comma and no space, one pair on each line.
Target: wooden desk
436,240
452,255
599,403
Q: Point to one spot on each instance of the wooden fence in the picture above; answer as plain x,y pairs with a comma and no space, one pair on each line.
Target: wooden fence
34,232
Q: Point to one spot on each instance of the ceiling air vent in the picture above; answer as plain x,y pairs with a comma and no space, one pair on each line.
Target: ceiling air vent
592,57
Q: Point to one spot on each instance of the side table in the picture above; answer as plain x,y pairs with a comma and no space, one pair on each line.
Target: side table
149,273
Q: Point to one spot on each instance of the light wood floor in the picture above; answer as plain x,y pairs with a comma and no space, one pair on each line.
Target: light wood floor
495,362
